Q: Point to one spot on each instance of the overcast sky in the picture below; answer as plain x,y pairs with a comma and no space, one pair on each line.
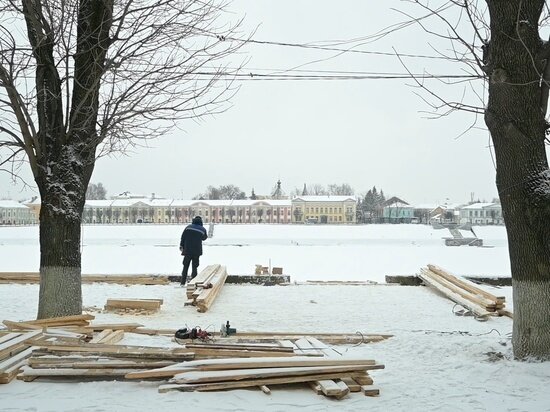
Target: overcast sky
362,132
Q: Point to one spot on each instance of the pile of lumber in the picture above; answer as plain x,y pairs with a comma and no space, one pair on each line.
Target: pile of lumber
465,293
205,287
98,359
14,349
72,348
318,366
137,279
132,305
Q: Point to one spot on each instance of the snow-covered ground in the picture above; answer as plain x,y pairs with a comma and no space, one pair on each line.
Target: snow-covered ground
436,361
366,252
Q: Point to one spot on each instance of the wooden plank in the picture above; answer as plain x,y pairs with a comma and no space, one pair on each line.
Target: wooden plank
246,363
315,387
465,284
323,347
344,389
304,345
9,336
8,363
352,384
251,383
207,297
237,346
244,374
238,353
20,325
204,274
127,327
126,279
37,363
479,311
101,335
505,312
146,304
200,278
10,368
113,337
117,350
363,380
369,391
7,347
60,373
62,320
477,299
328,387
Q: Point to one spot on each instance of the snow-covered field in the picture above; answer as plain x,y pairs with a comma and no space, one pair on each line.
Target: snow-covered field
436,361
366,252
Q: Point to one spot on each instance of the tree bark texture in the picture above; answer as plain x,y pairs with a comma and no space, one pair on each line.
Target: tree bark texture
62,190
515,116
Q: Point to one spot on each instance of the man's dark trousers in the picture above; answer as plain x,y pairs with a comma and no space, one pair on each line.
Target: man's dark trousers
194,260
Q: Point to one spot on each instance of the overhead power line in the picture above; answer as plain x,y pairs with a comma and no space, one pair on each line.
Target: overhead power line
309,77
326,48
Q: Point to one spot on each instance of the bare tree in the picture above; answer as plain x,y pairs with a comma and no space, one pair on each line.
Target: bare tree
317,189
91,77
499,41
343,189
96,191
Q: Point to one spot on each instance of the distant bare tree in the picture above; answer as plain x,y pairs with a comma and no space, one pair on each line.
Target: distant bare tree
343,189
81,79
96,192
224,192
317,189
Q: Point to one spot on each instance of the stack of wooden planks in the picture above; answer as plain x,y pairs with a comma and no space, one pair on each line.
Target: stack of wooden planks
150,305
63,321
464,292
137,279
57,358
70,348
14,349
319,366
203,290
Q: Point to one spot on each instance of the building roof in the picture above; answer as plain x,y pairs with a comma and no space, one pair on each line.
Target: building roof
395,201
398,204
325,198
98,203
11,204
480,205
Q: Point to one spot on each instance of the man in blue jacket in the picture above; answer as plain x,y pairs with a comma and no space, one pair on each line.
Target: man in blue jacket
191,247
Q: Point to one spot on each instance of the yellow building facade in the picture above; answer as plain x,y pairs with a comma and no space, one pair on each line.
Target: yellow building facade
324,209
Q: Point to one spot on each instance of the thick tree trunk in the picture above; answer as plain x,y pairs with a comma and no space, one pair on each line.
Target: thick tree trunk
62,190
60,275
516,121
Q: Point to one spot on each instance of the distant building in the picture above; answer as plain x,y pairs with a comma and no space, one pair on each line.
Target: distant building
324,209
397,211
159,210
34,204
437,213
15,213
482,214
